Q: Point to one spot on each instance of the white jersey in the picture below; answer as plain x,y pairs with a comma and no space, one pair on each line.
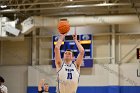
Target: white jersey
68,78
3,89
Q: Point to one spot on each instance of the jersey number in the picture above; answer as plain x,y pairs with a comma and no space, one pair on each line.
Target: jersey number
69,76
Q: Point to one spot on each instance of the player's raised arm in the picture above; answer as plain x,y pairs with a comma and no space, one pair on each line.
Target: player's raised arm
58,60
81,51
41,84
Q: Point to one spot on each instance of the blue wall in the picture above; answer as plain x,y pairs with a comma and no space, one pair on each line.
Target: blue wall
95,89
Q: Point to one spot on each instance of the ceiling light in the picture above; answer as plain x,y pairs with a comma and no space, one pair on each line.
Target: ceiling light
3,6
70,0
74,6
8,10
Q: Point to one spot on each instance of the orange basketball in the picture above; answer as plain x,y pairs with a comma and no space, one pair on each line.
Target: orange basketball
63,26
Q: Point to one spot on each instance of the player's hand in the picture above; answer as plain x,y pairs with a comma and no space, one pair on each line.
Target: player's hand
74,36
42,81
62,36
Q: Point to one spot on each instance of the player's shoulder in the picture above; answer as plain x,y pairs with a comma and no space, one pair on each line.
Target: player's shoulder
4,88
60,67
75,65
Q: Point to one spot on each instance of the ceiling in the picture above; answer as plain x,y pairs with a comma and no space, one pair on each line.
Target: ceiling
25,8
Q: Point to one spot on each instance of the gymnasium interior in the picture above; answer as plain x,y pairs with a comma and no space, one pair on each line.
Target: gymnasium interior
109,31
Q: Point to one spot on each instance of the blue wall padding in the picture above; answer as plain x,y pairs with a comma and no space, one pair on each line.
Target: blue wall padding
130,89
114,89
34,89
95,89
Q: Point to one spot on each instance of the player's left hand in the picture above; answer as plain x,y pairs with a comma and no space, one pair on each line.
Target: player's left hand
74,36
42,81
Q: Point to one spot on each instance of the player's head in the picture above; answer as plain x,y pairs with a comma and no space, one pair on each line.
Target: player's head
46,86
68,55
1,80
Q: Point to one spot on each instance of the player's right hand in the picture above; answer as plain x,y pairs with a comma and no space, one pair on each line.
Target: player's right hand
62,36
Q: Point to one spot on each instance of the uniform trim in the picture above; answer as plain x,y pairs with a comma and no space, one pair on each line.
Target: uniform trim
58,85
78,78
60,68
77,71
76,68
58,77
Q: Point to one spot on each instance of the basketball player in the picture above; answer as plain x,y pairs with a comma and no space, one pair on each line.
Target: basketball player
3,88
68,72
43,87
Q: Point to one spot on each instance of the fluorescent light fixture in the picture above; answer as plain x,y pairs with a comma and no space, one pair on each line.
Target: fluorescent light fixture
8,10
95,5
74,6
3,6
105,4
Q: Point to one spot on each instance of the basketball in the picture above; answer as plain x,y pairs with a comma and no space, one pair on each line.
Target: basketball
63,26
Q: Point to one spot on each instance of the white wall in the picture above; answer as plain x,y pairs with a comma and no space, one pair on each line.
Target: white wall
19,77
15,78
36,73
15,52
100,75
129,72
19,52
132,28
